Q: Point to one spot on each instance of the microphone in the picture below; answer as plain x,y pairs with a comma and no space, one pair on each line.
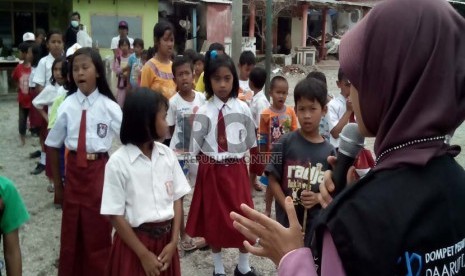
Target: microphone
350,144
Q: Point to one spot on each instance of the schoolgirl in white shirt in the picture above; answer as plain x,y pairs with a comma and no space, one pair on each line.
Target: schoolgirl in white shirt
43,74
44,101
87,121
223,132
144,184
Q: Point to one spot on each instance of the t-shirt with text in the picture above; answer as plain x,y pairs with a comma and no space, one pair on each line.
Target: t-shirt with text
299,164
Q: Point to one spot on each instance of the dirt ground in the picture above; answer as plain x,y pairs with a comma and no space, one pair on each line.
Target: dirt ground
40,236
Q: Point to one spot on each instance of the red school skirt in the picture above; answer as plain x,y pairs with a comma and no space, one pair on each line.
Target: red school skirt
124,262
221,187
257,164
85,234
36,120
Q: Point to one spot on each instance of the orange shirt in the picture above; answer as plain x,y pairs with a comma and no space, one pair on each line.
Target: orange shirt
158,77
273,124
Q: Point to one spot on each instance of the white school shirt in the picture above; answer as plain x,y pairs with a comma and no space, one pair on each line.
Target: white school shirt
43,72
258,104
115,41
48,96
143,189
336,109
103,122
240,129
246,91
179,114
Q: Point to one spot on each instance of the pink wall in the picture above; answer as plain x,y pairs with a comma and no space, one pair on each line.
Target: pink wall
219,19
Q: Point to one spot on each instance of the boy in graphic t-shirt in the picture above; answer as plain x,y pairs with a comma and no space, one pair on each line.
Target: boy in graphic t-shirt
275,121
299,158
183,106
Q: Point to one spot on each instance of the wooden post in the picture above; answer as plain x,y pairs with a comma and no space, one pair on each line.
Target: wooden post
304,24
236,36
252,21
323,46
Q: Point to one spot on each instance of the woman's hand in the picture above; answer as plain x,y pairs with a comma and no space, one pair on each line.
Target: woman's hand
275,241
150,264
327,187
166,255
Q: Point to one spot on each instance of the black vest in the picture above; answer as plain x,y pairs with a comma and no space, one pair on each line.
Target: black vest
407,221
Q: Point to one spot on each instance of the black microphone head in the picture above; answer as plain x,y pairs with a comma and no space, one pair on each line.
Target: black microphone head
351,141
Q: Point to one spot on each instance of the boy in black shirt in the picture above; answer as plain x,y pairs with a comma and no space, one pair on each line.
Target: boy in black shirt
299,158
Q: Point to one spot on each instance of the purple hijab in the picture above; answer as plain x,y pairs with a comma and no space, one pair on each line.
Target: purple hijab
406,58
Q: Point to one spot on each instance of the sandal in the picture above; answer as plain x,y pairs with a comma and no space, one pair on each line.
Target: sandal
258,187
51,188
200,242
188,244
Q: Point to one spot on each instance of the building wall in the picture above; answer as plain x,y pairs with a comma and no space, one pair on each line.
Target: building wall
148,10
218,22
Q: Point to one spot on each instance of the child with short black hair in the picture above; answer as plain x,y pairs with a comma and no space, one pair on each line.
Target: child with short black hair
275,121
246,64
324,125
44,101
199,65
182,108
144,57
340,111
142,192
135,63
219,48
300,157
222,180
120,64
21,75
258,104
41,78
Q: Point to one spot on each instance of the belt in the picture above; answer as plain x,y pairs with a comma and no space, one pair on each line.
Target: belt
154,229
93,156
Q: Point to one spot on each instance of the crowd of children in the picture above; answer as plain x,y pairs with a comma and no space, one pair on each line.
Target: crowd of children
191,119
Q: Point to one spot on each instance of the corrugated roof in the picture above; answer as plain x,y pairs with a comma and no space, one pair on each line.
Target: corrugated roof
333,3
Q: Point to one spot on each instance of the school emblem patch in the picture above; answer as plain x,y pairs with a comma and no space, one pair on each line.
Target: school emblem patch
102,130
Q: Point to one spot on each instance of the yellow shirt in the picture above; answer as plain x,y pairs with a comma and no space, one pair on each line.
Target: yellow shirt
158,77
200,85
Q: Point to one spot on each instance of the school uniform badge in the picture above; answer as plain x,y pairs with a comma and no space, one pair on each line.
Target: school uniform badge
102,130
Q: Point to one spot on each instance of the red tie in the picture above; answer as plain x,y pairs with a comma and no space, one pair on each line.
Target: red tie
221,135
352,118
81,148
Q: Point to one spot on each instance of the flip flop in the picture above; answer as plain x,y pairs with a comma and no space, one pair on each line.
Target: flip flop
200,242
188,244
51,188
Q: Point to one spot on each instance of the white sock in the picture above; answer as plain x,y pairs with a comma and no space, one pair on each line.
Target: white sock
42,158
218,263
243,266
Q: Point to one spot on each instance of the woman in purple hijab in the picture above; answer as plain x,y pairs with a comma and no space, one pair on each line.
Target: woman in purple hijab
406,63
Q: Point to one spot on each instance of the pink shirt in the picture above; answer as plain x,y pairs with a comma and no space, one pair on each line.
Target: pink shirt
299,262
